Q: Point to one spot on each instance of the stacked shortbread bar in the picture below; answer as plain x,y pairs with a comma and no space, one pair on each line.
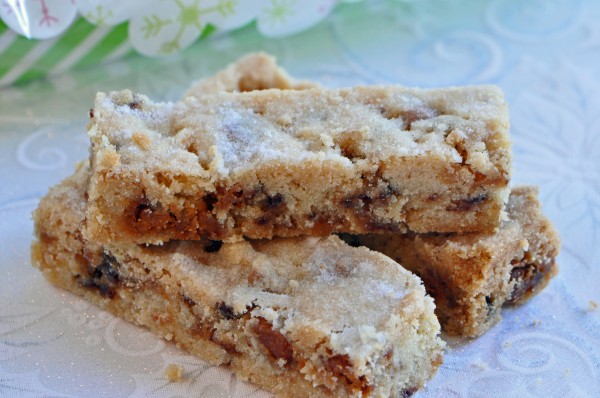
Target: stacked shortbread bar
209,222
308,316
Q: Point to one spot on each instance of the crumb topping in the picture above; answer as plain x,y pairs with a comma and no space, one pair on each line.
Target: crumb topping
233,132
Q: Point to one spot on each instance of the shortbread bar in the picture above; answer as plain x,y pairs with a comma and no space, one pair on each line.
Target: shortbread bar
257,71
283,163
524,281
472,276
301,317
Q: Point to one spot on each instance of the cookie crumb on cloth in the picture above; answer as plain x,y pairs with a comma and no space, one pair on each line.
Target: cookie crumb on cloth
174,373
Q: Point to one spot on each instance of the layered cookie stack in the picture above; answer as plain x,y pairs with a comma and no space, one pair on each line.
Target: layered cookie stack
209,221
470,275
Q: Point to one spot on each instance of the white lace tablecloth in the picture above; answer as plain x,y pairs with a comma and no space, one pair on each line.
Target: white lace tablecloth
545,54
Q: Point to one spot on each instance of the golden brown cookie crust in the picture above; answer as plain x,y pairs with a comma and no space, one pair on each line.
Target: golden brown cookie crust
298,162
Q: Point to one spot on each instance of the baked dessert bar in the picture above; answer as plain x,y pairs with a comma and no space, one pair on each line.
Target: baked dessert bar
300,317
524,281
527,277
256,71
283,163
472,276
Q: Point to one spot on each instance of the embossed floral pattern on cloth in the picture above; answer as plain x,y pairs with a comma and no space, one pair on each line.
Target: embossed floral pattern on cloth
545,56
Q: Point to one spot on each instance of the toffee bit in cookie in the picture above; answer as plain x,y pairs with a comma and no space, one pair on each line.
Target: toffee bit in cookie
466,204
408,392
136,104
188,301
275,342
225,311
103,277
213,246
210,200
274,201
